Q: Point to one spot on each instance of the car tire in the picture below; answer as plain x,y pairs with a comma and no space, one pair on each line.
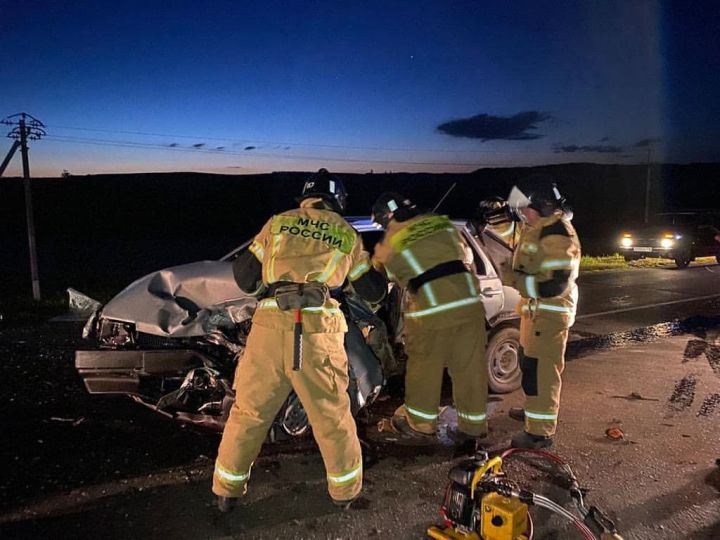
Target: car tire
503,359
683,260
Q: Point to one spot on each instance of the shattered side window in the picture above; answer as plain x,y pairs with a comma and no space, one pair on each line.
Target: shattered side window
370,238
496,249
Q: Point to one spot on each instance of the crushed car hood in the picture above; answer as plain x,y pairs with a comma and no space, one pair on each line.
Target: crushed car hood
183,301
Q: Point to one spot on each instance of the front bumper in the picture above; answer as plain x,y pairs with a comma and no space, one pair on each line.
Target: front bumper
121,372
648,251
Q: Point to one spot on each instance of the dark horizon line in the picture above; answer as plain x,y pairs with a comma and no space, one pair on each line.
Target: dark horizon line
566,164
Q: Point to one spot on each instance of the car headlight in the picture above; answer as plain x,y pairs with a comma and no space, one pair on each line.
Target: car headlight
667,243
114,333
626,242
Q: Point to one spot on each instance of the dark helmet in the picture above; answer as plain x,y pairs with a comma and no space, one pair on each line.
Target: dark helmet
489,205
391,205
538,192
327,187
491,211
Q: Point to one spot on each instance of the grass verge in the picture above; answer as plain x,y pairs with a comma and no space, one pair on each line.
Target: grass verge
618,262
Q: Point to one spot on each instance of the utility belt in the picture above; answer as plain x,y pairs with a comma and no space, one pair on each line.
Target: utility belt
289,295
436,272
297,296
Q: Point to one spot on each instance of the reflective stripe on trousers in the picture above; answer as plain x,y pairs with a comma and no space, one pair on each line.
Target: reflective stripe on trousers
345,477
443,307
546,306
472,417
421,414
230,477
540,416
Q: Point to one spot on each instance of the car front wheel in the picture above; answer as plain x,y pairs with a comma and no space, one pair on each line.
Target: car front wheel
682,260
503,359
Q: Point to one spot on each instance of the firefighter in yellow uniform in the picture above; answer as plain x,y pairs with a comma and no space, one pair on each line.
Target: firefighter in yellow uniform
296,340
444,320
544,269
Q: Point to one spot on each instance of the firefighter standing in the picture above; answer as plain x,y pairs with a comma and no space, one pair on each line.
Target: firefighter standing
444,320
544,269
296,340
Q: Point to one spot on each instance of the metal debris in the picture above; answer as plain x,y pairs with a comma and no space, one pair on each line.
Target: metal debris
73,421
634,396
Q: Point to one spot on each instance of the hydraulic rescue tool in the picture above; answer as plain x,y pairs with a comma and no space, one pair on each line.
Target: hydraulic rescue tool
481,503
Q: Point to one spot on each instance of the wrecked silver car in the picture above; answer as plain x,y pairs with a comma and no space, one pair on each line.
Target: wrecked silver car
171,339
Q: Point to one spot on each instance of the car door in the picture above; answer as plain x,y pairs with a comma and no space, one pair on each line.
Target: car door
489,282
706,243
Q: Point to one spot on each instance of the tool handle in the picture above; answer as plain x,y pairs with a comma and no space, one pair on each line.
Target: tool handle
297,342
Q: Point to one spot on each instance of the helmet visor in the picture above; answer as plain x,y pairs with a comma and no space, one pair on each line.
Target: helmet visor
517,200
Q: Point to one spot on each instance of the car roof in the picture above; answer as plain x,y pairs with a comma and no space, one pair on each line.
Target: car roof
366,224
363,223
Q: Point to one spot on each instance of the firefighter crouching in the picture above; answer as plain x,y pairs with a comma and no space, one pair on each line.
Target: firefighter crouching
544,269
296,340
444,320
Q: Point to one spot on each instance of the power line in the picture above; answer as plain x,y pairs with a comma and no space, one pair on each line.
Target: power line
247,154
286,143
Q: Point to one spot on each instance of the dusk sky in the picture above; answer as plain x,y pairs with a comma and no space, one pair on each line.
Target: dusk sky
242,87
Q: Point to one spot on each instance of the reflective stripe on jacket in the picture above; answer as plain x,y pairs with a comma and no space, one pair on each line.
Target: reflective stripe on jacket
310,243
545,268
413,247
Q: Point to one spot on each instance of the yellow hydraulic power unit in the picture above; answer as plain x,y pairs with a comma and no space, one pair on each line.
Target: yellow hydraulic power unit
502,518
471,513
481,503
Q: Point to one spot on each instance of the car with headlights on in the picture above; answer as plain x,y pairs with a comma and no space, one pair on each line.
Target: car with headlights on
681,236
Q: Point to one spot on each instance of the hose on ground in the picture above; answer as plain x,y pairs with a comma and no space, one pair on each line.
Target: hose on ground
544,502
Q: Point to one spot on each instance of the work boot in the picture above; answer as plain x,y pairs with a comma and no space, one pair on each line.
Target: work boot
346,504
517,413
226,504
458,436
528,440
410,435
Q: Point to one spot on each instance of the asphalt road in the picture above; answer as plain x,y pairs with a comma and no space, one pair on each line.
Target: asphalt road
81,466
625,300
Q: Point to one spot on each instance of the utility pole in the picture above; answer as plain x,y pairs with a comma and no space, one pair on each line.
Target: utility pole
26,128
647,190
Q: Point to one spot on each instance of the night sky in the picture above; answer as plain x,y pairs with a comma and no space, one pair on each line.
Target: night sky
241,87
